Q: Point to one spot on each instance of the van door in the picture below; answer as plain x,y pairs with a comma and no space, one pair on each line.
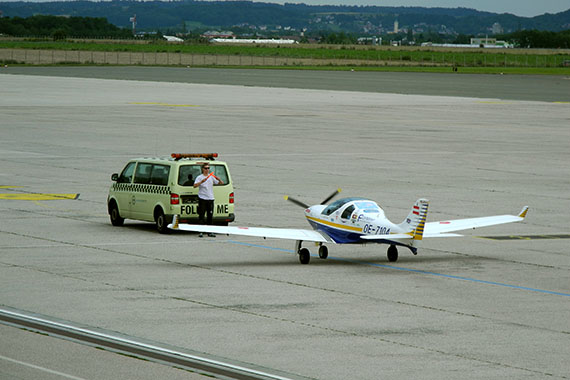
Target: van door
122,190
150,187
141,207
223,205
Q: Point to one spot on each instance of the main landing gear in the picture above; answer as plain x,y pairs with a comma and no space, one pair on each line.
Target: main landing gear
305,254
392,254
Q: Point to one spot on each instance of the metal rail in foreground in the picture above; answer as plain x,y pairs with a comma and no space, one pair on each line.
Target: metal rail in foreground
139,349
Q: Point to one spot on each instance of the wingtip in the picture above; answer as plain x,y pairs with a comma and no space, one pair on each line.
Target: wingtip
523,212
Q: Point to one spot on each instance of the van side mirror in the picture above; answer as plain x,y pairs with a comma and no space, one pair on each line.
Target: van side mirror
114,177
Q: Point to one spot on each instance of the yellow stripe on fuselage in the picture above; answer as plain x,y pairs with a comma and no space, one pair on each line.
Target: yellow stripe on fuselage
335,225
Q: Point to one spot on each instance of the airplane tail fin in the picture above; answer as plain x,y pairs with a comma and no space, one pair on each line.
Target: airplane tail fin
416,219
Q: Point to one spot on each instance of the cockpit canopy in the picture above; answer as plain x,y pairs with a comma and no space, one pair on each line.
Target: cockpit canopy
362,205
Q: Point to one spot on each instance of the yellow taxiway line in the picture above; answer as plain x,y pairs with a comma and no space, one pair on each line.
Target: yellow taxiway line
38,197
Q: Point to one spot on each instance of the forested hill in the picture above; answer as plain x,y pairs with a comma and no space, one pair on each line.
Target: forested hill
192,15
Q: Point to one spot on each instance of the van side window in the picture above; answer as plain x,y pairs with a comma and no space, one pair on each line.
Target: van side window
159,175
127,173
142,173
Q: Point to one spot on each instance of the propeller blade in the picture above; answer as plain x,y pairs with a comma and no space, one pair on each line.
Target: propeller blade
298,203
331,196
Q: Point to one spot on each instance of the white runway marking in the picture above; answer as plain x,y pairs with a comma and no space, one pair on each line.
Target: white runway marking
41,368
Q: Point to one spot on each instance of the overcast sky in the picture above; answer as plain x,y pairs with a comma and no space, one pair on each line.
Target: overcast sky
526,8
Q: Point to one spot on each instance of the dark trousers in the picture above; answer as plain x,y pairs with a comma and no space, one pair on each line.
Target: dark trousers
205,207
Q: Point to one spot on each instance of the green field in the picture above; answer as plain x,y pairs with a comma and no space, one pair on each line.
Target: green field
404,58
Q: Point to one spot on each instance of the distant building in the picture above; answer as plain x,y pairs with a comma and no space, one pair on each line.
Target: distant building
396,26
253,41
369,40
497,28
475,43
483,41
215,34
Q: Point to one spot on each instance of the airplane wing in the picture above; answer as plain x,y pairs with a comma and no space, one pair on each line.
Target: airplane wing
437,229
277,233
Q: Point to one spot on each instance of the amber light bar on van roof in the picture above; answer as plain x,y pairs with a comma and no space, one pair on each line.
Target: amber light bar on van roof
207,156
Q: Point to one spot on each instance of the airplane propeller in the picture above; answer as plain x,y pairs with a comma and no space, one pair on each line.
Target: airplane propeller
304,205
297,202
331,196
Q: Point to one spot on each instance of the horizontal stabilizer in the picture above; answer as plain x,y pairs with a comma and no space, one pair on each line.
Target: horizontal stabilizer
435,228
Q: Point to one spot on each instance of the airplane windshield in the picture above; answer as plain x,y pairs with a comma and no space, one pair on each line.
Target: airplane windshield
338,204
367,207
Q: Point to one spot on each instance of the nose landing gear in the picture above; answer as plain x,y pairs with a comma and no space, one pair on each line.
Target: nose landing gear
323,251
305,255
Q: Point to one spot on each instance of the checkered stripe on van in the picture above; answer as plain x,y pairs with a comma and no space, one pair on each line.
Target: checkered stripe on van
141,188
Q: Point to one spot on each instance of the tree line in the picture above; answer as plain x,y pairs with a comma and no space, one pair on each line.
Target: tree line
59,27
540,39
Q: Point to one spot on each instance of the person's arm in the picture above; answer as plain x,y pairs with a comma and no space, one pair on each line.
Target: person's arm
220,182
198,183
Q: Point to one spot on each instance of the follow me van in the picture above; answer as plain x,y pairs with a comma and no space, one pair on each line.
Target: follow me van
156,189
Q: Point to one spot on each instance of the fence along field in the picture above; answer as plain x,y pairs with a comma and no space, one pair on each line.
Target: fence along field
46,53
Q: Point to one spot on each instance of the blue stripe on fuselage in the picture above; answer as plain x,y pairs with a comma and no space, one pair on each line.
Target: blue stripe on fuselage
339,236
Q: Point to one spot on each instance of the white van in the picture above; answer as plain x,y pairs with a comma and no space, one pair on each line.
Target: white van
156,189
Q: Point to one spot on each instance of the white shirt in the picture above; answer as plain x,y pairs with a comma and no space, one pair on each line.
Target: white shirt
206,189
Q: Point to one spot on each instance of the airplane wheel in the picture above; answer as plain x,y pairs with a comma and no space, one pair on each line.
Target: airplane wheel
392,254
323,252
304,256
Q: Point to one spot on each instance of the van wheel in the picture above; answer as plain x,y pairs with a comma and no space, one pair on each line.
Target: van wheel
116,219
161,222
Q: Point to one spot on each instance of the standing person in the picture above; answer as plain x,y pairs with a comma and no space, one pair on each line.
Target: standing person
206,182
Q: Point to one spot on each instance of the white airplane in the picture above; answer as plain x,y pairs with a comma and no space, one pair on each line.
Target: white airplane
173,39
358,221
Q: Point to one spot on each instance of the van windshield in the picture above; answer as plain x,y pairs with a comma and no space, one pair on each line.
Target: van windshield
187,174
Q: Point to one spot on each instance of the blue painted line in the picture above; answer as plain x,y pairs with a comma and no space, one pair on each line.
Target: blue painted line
413,270
260,246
